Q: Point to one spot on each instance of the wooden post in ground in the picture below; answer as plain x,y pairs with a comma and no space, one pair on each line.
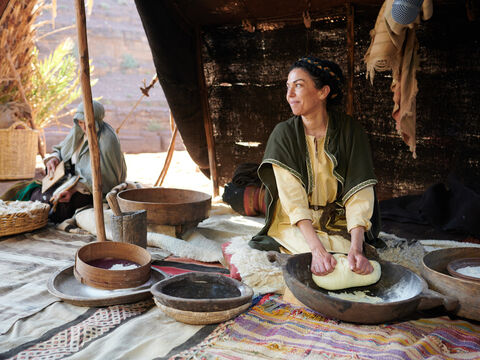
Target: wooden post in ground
171,149
350,56
89,118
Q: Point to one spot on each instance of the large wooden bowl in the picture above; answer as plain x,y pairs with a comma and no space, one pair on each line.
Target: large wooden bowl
167,206
467,292
112,279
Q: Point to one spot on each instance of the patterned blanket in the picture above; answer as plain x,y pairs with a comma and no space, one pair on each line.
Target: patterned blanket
274,329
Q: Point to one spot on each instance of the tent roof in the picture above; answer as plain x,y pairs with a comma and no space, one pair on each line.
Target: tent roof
218,12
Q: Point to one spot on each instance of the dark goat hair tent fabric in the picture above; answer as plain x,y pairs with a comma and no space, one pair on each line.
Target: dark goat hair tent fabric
245,75
451,207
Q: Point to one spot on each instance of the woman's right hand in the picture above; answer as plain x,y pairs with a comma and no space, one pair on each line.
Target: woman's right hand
323,262
51,166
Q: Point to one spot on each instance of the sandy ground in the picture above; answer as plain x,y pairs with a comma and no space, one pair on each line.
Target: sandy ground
182,173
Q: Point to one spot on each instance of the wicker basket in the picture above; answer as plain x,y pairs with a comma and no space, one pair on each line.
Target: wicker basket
19,151
18,222
202,318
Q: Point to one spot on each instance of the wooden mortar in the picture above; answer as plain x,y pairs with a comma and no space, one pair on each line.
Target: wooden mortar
112,279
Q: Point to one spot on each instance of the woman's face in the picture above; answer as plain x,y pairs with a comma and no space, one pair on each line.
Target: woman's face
81,124
302,95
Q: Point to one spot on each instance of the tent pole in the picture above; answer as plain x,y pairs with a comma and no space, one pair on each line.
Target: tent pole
207,121
90,121
350,56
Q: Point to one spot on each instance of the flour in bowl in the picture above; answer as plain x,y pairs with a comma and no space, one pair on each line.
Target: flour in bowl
473,271
357,296
123,267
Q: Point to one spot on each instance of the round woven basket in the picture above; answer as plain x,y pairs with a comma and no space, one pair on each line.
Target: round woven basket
19,151
112,279
23,221
202,317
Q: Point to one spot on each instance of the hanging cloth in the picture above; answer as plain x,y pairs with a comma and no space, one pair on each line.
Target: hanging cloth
394,47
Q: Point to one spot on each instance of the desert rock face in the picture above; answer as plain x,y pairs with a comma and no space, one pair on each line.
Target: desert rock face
122,61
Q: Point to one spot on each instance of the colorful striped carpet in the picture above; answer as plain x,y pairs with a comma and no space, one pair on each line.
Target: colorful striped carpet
277,330
177,265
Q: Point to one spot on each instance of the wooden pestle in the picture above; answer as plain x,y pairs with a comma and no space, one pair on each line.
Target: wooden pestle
113,203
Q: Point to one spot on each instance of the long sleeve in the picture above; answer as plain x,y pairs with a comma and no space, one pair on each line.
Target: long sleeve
359,209
292,195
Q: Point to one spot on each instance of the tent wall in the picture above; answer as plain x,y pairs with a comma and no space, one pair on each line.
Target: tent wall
245,76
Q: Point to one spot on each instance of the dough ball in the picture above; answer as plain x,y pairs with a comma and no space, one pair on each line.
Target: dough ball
342,277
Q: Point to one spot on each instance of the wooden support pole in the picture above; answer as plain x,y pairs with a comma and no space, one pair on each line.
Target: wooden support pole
171,149
89,118
207,121
350,56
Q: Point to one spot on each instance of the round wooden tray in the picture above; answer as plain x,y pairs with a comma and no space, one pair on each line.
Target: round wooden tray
455,265
112,279
65,286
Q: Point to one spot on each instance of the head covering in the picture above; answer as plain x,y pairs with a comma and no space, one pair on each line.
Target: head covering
98,112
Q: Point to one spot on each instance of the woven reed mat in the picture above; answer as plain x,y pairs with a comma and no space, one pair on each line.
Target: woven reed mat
273,329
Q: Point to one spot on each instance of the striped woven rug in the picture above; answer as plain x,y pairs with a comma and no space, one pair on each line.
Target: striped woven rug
275,329
176,265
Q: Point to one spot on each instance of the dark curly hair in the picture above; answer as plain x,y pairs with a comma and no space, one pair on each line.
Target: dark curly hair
323,72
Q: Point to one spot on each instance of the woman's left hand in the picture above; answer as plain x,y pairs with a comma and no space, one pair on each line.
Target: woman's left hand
359,263
65,196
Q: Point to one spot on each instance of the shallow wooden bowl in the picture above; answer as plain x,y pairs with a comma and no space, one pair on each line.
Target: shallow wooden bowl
112,279
454,266
201,292
167,206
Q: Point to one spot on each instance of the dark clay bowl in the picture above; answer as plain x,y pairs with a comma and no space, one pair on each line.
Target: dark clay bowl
201,292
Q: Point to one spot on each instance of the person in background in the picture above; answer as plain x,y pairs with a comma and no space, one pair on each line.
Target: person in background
75,154
318,173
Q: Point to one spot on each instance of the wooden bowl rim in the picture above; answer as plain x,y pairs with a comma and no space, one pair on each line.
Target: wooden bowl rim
206,196
456,264
156,289
108,271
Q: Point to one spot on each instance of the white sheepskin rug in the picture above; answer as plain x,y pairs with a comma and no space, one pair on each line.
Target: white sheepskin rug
197,247
255,268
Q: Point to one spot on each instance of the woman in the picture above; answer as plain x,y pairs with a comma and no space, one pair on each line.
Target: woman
75,154
318,173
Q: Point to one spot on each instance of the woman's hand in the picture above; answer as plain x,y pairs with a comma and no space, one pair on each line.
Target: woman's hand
65,196
323,262
359,263
51,166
